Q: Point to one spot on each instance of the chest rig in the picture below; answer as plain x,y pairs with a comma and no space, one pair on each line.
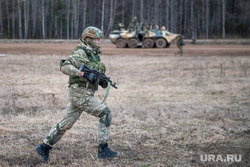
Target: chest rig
94,61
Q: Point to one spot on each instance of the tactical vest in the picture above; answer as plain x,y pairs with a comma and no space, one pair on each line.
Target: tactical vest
94,62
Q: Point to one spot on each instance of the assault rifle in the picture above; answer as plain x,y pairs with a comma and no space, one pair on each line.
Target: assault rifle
99,76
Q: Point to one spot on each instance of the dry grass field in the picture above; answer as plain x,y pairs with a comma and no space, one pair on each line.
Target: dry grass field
166,111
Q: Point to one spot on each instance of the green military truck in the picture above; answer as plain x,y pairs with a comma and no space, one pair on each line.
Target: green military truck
147,39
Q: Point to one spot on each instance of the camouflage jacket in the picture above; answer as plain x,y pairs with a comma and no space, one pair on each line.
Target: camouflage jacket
81,54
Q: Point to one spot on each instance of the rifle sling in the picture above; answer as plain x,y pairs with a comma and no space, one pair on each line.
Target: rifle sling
107,93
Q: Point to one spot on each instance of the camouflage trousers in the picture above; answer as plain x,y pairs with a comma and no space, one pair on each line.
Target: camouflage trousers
181,51
77,104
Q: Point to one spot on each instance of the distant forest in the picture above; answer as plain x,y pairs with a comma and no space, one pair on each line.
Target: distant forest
66,19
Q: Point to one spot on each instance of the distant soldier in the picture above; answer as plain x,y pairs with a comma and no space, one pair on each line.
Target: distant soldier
193,40
137,26
143,24
180,43
156,27
163,28
153,25
130,27
134,21
146,27
121,26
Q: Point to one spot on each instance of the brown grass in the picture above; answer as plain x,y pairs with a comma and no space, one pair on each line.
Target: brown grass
164,109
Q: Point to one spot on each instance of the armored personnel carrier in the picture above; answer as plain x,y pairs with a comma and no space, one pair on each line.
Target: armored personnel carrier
148,39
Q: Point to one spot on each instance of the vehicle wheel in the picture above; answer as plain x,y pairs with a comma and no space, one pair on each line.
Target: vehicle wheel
161,43
148,43
132,43
121,43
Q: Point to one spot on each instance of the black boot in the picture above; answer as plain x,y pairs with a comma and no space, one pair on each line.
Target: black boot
43,150
104,152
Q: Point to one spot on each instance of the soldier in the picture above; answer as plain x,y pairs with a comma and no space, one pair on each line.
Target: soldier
146,27
163,28
153,25
180,43
137,27
143,25
130,28
81,96
121,26
134,21
194,40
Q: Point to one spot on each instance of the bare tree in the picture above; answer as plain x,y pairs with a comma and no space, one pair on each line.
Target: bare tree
51,18
13,20
1,20
84,12
141,19
8,17
110,16
167,13
156,12
43,19
172,15
186,16
56,26
103,9
181,9
34,17
133,8
149,12
207,17
26,13
76,18
223,17
123,10
68,12
192,17
20,20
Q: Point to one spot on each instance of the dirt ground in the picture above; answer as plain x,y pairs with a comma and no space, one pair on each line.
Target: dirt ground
110,49
167,111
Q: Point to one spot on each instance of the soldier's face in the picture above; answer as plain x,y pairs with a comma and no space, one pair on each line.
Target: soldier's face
96,43
98,40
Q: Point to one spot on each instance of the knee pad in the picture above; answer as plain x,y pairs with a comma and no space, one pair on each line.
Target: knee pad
106,117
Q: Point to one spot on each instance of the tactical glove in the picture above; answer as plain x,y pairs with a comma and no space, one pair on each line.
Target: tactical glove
89,76
103,84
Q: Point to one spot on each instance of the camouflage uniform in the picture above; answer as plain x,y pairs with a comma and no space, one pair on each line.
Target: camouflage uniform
81,98
130,28
81,94
180,43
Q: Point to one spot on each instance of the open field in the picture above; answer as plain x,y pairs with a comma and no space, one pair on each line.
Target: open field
166,112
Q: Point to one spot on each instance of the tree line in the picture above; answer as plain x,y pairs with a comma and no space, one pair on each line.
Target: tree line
66,19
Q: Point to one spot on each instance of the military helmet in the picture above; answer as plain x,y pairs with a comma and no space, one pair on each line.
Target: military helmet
92,32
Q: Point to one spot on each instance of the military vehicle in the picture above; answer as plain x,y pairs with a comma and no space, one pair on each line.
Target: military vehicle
148,39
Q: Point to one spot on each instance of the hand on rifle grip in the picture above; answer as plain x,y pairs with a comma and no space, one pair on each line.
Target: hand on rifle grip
89,76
